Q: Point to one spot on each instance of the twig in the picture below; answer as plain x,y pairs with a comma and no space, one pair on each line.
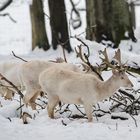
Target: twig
96,117
5,5
42,101
83,44
20,107
78,19
9,119
7,14
64,54
6,86
19,57
134,120
118,102
131,74
119,117
64,123
106,112
5,79
127,94
39,105
75,116
80,110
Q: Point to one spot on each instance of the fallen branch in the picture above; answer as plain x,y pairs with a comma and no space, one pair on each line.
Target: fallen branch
134,70
76,116
9,82
134,121
80,110
118,117
20,107
127,94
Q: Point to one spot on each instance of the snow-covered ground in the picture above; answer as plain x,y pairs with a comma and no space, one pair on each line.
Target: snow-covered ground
17,37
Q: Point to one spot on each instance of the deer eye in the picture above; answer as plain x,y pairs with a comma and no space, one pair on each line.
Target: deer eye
122,78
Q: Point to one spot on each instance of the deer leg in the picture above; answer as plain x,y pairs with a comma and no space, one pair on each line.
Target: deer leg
9,94
32,100
52,102
28,96
88,110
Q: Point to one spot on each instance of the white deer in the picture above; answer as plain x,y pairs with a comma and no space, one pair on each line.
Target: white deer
10,71
29,76
77,88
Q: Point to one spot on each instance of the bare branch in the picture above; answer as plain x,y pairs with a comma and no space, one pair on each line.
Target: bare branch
9,82
85,57
7,14
5,5
134,120
77,20
19,57
64,123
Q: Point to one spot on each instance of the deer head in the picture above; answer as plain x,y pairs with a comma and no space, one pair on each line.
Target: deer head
115,63
118,69
121,78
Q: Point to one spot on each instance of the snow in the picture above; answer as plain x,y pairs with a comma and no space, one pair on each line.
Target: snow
17,37
44,128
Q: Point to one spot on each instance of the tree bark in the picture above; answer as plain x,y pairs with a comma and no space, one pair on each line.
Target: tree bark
58,22
90,32
112,18
39,36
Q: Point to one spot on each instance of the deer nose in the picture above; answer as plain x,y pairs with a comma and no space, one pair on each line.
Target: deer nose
132,85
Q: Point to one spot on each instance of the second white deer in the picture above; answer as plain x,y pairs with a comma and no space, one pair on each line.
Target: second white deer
77,88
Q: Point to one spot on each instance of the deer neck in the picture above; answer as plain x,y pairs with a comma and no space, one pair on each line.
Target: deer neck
108,87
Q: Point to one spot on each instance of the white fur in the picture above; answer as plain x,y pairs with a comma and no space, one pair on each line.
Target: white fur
29,76
9,70
77,88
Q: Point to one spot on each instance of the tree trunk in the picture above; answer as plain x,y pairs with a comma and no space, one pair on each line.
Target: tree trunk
58,22
90,31
112,19
39,36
